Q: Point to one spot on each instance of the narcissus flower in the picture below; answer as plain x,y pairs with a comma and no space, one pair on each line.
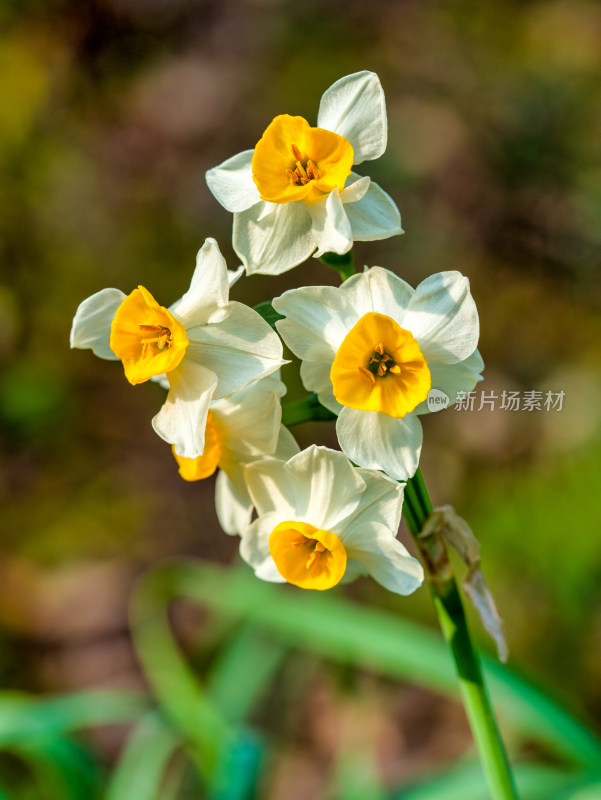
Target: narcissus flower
321,521
373,348
203,346
296,192
240,429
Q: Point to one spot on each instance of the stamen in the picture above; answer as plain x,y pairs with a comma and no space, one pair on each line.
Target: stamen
302,175
380,364
367,373
311,560
164,337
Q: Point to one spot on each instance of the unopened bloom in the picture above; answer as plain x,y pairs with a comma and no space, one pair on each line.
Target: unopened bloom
296,193
373,348
240,429
321,521
204,346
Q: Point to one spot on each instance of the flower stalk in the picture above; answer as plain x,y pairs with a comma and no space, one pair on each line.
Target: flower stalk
451,616
344,264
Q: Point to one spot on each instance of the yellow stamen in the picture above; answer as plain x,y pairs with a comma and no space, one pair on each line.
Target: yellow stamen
378,347
314,560
195,469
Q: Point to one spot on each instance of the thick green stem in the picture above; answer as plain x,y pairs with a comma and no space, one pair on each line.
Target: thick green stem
451,616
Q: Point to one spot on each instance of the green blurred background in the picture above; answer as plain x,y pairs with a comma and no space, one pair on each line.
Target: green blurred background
112,111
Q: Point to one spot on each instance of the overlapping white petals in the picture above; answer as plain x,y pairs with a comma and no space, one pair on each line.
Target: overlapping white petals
442,316
331,229
354,107
375,216
242,348
249,426
271,238
454,378
183,417
320,487
384,558
317,318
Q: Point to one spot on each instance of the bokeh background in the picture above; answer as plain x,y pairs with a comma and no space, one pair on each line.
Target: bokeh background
111,112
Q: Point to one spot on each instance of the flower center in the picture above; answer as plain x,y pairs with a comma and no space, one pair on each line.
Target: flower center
303,173
306,556
293,161
195,469
379,367
380,364
146,337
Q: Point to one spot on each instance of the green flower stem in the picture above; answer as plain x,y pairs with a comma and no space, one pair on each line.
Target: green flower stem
344,264
307,409
451,616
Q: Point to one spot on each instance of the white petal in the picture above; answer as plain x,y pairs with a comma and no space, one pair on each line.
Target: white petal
287,446
273,244
92,323
381,502
315,376
326,487
380,290
354,107
374,216
240,349
270,487
249,420
331,229
254,547
376,441
234,275
355,189
354,570
162,380
183,418
385,558
232,503
442,316
453,378
209,289
232,182
317,320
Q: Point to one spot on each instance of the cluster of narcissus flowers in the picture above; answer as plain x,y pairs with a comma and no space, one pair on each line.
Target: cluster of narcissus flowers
371,349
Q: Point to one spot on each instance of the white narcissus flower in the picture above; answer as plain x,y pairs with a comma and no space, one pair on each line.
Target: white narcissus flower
373,348
240,429
296,193
206,346
321,521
